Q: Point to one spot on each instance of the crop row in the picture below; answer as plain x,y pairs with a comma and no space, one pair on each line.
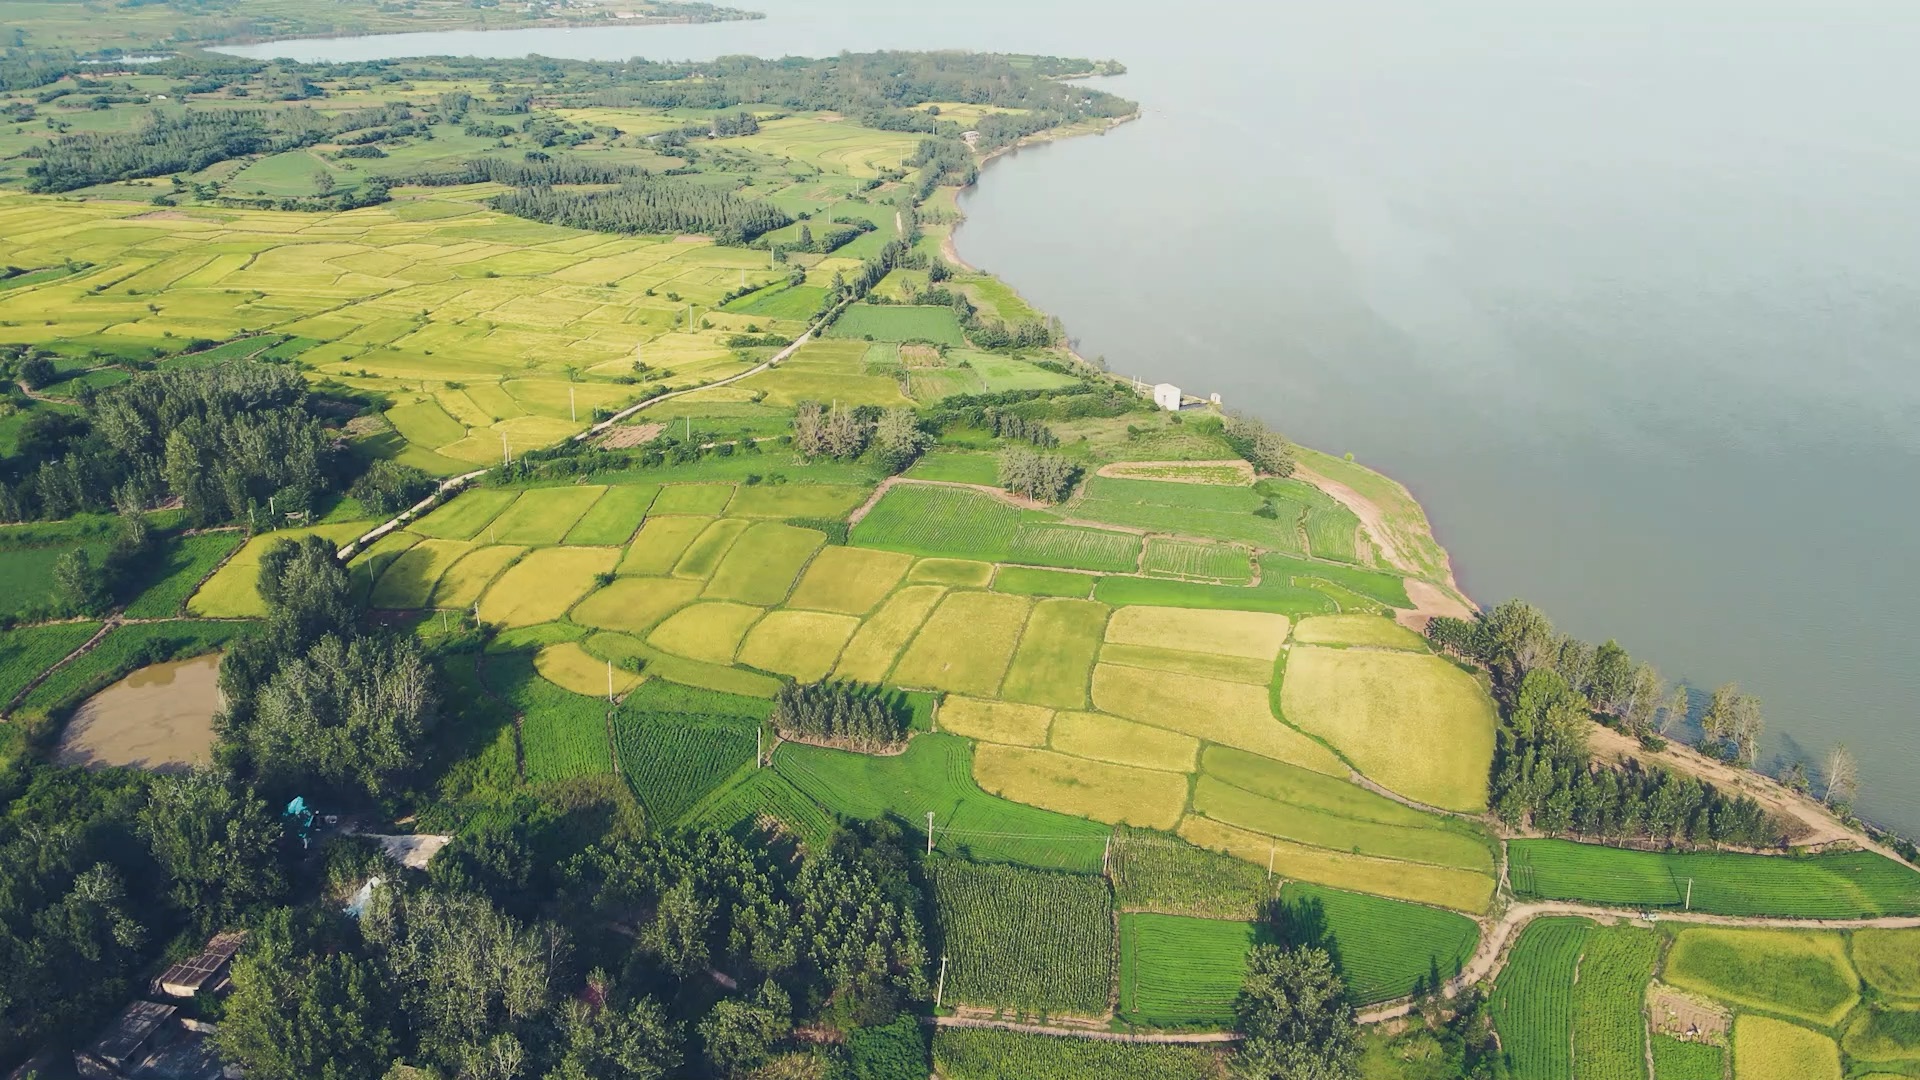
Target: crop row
671,760
28,651
985,1054
1608,1029
1031,940
1533,999
1178,970
1185,558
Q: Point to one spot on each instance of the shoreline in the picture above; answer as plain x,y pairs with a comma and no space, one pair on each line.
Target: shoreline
224,45
1447,586
1867,837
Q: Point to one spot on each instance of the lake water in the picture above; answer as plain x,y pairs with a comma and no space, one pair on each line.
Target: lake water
159,718
1627,292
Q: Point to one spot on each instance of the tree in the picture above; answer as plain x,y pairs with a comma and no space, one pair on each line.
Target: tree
1843,775
606,1042
323,182
1645,688
809,434
1733,723
1519,638
304,1008
740,1034
898,438
217,843
1043,477
1612,677
1266,450
78,584
36,372
1675,716
1294,1014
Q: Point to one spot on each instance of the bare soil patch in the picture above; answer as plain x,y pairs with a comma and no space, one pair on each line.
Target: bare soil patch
1808,825
627,435
1685,1017
1171,471
921,356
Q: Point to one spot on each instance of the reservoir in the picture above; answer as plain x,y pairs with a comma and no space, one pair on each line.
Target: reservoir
1628,293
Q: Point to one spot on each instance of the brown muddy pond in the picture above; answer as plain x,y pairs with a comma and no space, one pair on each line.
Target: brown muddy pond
158,718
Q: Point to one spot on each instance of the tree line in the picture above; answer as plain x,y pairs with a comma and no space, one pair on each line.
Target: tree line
189,141
649,205
1550,687
860,716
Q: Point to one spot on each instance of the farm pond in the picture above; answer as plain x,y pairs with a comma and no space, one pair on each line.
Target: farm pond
158,718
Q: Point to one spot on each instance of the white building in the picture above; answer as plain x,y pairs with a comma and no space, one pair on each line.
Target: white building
1167,396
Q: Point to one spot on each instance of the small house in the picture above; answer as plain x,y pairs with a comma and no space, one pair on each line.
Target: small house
202,974
1167,396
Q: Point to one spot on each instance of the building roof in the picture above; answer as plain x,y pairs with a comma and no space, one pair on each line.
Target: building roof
123,1038
189,977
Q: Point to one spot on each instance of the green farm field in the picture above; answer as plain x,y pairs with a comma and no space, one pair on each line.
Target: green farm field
1385,948
1176,970
1834,885
1032,940
891,323
985,1054
1802,974
1532,999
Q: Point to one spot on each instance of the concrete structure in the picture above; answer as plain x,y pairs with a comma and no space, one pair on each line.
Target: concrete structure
1167,396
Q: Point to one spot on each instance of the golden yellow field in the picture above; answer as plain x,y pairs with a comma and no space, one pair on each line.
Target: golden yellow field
1413,723
995,721
1232,714
1115,794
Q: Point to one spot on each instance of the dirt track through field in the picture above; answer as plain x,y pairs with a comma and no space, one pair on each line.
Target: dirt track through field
452,485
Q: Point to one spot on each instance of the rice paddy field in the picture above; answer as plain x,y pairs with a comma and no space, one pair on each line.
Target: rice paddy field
1385,948
488,333
1416,724
1176,970
1533,999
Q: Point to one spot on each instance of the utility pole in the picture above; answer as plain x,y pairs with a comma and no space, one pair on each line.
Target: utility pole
1270,849
1106,854
506,456
929,832
609,682
1689,894
571,409
940,988
759,744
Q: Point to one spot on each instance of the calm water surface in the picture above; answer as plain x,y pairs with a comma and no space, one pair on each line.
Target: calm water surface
160,718
1628,295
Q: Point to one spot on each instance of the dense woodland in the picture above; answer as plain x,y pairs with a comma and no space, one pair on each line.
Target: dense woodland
228,440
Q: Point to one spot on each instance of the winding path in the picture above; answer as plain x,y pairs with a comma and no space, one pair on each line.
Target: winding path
1495,945
453,484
